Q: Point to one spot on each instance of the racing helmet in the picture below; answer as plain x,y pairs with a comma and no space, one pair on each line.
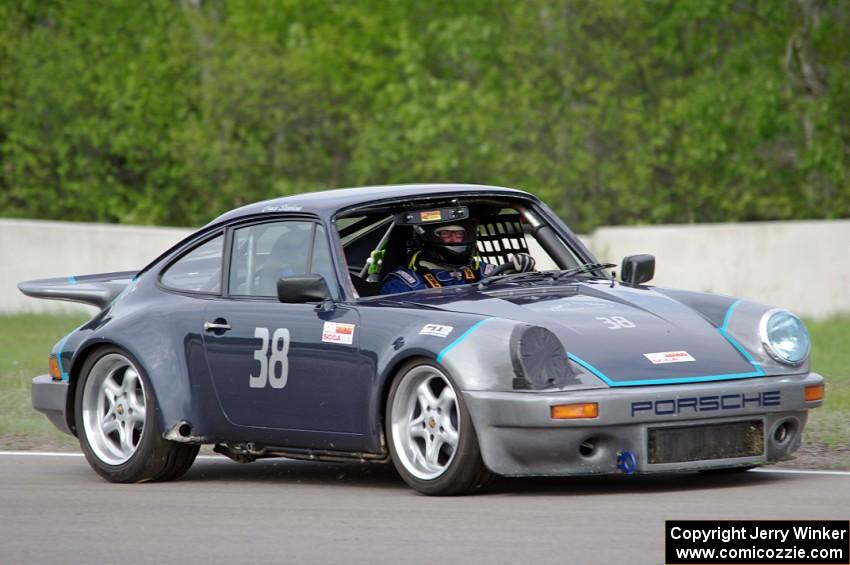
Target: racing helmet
447,243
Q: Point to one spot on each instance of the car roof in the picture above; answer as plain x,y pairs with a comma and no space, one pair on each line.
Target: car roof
326,203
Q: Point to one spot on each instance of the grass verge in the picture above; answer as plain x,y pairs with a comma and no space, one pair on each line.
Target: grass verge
25,342
830,425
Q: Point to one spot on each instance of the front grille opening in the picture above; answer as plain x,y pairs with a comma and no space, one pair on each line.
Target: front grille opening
707,442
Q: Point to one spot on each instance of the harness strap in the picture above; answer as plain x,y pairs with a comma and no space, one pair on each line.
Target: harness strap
431,280
414,261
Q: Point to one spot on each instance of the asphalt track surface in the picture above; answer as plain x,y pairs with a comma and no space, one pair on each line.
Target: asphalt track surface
54,509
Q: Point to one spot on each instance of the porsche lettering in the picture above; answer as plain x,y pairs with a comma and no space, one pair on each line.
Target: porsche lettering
710,403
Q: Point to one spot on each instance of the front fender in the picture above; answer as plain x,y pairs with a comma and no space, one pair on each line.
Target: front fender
737,320
474,349
479,357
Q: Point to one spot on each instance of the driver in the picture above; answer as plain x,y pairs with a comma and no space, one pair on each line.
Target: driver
446,256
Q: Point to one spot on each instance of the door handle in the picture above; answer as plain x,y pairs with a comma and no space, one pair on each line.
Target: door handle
219,325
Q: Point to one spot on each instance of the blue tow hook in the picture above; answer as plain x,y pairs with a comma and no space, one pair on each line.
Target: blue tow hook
626,462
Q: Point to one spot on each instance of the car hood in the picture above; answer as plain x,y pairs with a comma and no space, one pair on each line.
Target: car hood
625,336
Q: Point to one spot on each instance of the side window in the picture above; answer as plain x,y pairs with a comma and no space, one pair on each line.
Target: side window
263,253
197,271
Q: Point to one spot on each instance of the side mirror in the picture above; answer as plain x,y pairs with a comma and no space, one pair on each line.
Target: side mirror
303,288
638,269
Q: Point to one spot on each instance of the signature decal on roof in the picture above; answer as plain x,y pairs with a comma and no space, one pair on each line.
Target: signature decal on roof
669,357
338,333
281,208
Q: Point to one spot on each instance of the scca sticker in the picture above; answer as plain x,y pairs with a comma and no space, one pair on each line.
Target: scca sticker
436,330
338,333
669,357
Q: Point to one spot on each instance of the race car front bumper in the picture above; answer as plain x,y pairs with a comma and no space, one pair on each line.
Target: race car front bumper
50,397
519,437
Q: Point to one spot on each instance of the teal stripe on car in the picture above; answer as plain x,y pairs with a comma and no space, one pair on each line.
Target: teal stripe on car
758,372
682,380
460,339
746,354
728,315
65,376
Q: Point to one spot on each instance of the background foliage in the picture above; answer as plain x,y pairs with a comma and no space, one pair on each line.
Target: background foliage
171,111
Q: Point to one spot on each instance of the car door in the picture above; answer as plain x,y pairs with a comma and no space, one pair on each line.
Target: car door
293,367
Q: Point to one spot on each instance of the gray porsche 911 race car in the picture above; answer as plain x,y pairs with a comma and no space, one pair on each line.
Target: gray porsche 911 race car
458,331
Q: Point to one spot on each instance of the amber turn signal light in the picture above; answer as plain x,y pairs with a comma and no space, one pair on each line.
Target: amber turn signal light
54,371
575,411
814,392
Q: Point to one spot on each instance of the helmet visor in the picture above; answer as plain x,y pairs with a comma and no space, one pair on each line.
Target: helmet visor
451,234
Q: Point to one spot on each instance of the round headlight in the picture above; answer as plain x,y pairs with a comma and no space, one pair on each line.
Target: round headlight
785,337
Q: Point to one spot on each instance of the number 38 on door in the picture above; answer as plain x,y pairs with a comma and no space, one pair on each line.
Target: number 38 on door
273,359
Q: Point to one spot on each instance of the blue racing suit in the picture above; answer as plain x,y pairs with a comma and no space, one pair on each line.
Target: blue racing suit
417,277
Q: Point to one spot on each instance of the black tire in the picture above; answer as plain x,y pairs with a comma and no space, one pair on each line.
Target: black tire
179,461
151,458
465,471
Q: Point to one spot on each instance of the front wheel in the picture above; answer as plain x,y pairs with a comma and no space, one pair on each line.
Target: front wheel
431,438
116,421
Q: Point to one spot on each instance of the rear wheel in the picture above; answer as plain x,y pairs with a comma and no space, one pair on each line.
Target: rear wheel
431,438
116,421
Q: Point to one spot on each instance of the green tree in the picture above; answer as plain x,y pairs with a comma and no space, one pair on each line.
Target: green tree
614,111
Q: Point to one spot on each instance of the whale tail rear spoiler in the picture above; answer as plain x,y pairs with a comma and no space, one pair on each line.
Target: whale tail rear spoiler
95,290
